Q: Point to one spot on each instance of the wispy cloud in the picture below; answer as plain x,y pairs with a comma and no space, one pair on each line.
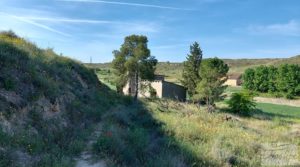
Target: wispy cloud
28,21
292,28
127,4
68,20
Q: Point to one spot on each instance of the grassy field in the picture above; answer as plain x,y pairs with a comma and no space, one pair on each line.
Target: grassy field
284,112
169,133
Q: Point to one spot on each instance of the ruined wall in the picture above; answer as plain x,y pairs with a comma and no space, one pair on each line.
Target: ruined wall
173,91
233,82
157,85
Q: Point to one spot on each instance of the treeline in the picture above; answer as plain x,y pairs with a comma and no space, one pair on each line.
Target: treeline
281,81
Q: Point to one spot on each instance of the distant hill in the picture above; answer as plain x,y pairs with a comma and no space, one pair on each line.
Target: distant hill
237,66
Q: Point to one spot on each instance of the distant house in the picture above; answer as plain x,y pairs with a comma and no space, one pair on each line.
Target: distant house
234,80
160,88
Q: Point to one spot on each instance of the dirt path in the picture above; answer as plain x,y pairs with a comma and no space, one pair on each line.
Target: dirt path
281,101
86,157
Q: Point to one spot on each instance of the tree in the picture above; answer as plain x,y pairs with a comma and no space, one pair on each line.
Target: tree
248,79
241,103
190,74
213,76
133,62
261,79
272,78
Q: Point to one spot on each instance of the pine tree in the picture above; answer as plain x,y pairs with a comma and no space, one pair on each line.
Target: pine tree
213,76
133,61
191,67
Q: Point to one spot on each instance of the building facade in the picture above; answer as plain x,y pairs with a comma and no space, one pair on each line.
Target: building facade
234,80
159,88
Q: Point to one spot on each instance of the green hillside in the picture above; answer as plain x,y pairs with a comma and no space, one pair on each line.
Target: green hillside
47,105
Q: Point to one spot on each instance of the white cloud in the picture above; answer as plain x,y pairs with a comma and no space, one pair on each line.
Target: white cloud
68,20
23,19
127,4
292,28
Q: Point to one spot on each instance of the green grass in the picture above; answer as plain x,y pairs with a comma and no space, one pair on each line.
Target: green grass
188,135
280,111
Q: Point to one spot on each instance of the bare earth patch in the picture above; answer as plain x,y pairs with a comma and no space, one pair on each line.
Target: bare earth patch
281,101
86,157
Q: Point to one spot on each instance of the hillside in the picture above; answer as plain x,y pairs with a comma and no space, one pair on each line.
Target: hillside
47,104
54,113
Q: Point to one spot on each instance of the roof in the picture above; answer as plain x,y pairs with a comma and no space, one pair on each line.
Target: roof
159,77
234,76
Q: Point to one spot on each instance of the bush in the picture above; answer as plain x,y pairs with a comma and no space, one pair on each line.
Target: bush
5,159
284,80
9,84
241,103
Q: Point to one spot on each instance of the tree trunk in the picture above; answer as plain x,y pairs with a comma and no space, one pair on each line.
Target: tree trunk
136,80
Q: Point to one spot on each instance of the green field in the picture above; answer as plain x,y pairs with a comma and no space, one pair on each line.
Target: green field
280,111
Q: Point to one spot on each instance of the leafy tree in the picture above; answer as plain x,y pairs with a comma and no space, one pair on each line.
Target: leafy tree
248,79
284,79
133,62
190,74
241,103
261,79
120,70
272,78
289,80
9,34
213,76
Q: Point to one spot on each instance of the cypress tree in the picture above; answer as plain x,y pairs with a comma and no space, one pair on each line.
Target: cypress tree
191,69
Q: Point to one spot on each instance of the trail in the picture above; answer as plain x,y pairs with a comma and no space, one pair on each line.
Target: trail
280,101
86,157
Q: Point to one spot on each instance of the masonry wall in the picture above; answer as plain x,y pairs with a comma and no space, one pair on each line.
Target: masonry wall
157,85
233,82
173,91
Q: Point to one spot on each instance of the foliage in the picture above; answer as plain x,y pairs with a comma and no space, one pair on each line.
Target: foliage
241,103
213,76
248,79
191,67
284,79
133,61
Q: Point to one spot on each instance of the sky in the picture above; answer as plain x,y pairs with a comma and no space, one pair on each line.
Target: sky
85,29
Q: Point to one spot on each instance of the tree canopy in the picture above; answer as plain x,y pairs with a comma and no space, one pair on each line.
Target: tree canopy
213,76
191,67
133,62
282,80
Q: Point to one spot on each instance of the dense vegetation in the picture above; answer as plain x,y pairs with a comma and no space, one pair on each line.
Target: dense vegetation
282,80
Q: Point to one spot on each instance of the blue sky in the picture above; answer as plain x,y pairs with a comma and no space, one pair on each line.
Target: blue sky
94,28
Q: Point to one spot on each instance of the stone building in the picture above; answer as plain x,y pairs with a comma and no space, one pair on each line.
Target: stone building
234,80
159,88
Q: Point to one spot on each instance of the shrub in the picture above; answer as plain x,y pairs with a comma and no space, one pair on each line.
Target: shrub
9,84
284,79
241,103
5,158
